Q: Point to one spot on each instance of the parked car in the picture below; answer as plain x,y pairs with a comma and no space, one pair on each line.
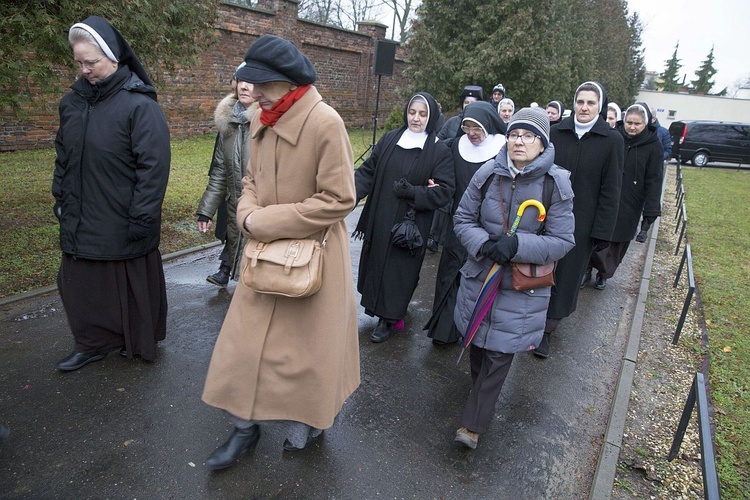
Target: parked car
701,142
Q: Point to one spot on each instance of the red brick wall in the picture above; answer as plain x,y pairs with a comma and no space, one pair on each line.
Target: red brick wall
342,58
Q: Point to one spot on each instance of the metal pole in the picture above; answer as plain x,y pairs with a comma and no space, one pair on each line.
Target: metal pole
375,116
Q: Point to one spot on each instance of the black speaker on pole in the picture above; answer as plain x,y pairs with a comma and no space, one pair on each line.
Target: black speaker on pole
385,54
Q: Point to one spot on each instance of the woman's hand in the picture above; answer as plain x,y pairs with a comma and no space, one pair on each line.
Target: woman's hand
247,223
204,226
431,183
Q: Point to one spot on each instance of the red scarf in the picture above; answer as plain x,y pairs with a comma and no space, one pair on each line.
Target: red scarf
269,117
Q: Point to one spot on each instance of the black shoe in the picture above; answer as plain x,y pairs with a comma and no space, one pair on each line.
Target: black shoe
288,446
382,331
239,442
432,245
601,283
586,278
220,278
78,360
543,350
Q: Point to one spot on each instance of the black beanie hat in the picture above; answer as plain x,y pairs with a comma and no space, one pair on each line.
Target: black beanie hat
471,91
274,59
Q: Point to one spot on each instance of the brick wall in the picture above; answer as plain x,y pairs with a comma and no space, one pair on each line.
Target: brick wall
342,58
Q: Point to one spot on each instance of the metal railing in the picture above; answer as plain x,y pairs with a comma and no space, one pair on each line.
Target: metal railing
698,395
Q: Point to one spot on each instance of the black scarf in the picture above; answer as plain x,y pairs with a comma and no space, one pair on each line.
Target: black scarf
417,176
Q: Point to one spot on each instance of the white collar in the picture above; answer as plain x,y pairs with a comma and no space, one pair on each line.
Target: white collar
412,140
489,148
582,128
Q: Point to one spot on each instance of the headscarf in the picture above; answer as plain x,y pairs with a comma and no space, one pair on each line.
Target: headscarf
114,46
504,101
600,91
617,110
483,114
638,107
559,106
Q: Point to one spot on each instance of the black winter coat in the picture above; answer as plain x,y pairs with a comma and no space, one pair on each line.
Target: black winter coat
641,183
111,169
595,165
388,274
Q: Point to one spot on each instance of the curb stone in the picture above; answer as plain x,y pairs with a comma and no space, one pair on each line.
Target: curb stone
606,467
53,288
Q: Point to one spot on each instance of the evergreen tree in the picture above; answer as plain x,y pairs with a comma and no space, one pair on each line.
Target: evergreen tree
539,49
637,62
163,34
703,83
669,77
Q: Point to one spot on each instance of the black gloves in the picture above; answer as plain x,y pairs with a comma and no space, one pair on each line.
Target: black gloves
645,225
403,189
600,245
137,232
646,222
502,250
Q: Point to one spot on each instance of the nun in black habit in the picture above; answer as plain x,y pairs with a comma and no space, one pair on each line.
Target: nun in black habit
481,136
110,177
586,146
408,170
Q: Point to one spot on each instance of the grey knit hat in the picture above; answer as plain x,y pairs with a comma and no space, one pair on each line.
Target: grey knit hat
533,119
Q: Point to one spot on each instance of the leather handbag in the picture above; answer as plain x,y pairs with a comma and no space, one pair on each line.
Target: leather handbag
528,276
285,267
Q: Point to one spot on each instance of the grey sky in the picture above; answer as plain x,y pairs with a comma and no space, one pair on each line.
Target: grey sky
697,25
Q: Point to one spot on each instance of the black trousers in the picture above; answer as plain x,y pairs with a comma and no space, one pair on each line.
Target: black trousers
489,369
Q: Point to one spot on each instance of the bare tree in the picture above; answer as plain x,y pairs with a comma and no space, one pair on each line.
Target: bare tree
355,11
403,10
321,11
347,13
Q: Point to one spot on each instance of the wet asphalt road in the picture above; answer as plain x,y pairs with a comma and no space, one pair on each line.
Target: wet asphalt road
131,429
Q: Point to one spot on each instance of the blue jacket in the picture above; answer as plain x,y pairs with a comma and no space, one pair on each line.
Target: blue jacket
665,139
516,321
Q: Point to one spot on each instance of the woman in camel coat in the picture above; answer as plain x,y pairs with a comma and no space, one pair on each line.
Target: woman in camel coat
289,362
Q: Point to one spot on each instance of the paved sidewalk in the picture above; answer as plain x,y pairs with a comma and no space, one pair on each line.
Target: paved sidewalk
129,429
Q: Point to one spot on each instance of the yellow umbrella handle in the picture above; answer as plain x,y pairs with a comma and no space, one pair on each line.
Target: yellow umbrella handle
522,208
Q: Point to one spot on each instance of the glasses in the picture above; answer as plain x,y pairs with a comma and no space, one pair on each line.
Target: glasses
527,138
471,130
88,64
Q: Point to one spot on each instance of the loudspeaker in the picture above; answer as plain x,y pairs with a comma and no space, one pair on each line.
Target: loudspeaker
385,54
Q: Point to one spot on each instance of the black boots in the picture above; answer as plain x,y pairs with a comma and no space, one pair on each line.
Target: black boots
601,283
220,278
543,350
382,331
586,278
239,442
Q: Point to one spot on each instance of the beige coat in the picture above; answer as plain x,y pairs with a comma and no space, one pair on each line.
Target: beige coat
280,358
